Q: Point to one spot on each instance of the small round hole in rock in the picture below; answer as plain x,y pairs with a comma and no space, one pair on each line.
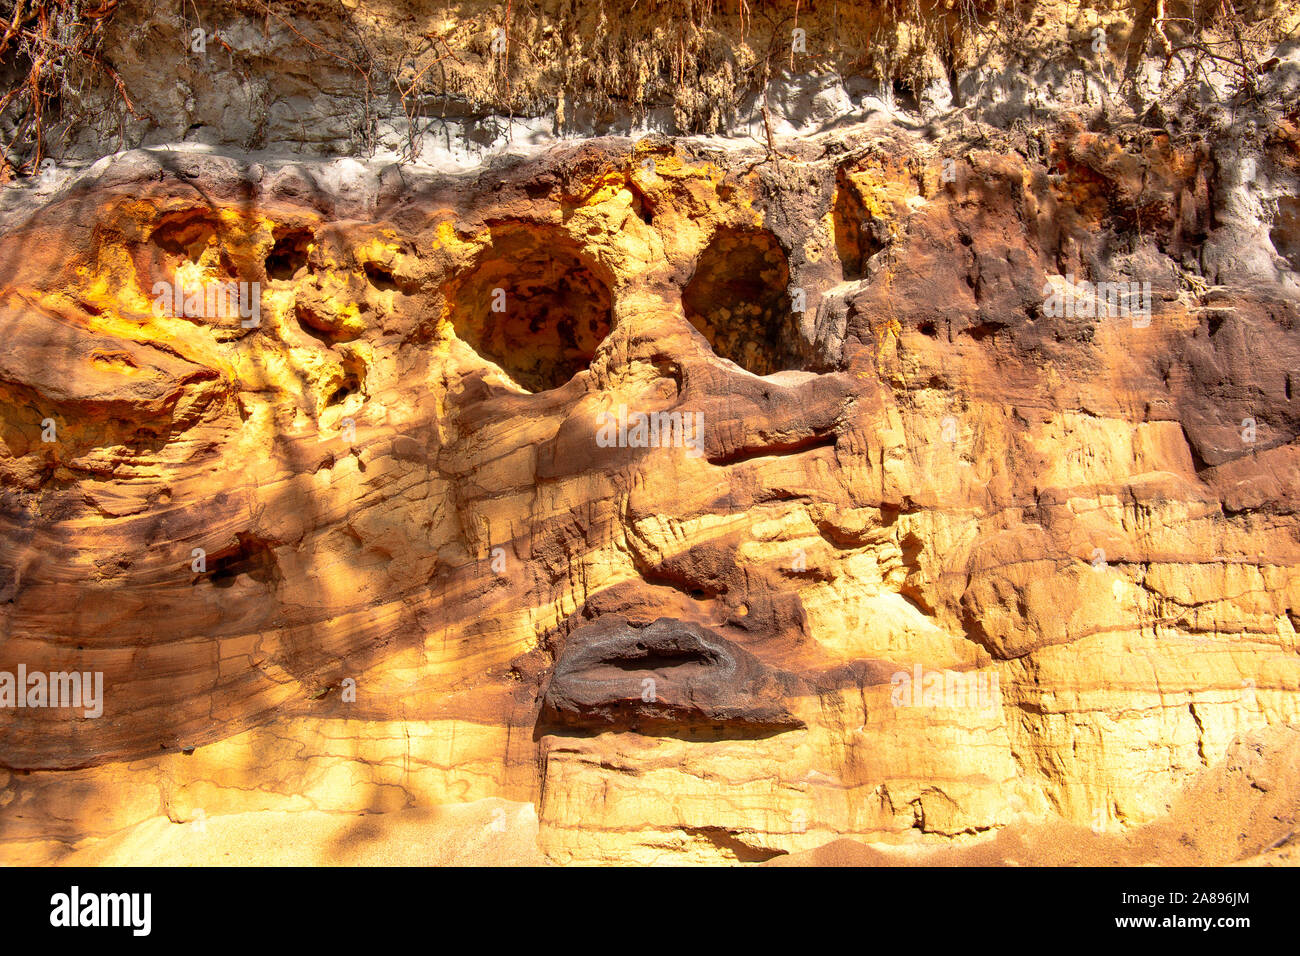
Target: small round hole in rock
533,304
380,277
854,230
339,395
288,255
738,300
186,233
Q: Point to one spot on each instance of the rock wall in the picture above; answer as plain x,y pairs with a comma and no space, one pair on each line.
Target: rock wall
918,471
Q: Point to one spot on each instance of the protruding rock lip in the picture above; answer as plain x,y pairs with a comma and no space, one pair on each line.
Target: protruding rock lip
668,678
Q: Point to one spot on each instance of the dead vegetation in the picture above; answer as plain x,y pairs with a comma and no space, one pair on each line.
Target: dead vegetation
1193,39
55,50
699,66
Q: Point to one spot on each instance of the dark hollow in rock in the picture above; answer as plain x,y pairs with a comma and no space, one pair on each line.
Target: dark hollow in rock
533,304
380,277
738,300
666,678
288,255
856,232
185,233
251,557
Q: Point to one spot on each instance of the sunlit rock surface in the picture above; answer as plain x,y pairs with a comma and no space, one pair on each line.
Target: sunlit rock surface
928,571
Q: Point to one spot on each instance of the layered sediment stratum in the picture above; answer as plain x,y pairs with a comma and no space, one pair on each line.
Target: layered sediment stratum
915,487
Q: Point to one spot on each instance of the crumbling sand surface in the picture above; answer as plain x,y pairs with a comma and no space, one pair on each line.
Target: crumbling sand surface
1227,815
488,832
1245,811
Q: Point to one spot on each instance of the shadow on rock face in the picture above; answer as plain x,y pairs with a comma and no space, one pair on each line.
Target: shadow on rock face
669,678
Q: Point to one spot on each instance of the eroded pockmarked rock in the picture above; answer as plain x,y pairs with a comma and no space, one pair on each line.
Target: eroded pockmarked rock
425,582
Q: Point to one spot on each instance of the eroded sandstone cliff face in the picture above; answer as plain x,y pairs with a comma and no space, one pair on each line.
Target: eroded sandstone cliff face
925,558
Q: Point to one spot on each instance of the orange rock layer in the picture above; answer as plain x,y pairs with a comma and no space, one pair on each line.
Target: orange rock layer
942,565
